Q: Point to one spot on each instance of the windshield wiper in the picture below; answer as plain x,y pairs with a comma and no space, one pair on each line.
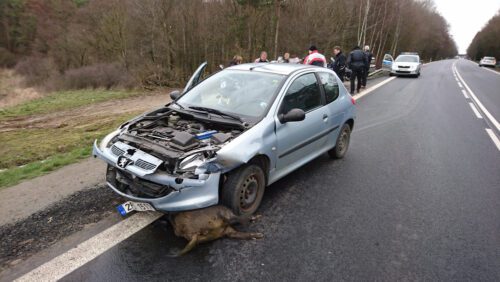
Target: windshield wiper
217,112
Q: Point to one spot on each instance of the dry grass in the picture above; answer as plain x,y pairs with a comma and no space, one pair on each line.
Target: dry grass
12,91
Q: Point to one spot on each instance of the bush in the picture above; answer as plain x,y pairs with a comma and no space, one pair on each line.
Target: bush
37,71
96,76
7,59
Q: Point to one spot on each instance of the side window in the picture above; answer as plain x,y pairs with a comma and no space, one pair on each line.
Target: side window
330,85
303,94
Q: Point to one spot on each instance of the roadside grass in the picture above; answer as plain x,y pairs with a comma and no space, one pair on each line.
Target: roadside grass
64,100
27,153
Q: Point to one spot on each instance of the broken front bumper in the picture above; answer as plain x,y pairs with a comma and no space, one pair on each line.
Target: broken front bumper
185,193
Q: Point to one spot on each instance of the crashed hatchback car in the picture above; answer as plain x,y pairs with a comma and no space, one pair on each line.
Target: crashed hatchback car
224,139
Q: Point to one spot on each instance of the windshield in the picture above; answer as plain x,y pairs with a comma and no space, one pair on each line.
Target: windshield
244,93
489,58
407,59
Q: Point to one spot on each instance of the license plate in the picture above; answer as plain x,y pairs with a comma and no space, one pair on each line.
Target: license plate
130,206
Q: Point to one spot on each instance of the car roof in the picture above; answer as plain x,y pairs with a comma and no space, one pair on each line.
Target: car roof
409,55
277,68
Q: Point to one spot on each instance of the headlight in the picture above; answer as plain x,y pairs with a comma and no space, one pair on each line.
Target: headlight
199,163
192,162
105,141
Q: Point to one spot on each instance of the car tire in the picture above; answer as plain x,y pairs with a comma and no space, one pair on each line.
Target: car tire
243,189
342,143
390,74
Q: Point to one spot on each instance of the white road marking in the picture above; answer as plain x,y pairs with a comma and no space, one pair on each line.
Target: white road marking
493,137
465,94
495,72
476,100
460,85
476,112
367,91
64,264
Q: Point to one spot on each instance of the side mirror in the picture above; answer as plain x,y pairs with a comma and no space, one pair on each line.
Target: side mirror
292,115
221,67
175,94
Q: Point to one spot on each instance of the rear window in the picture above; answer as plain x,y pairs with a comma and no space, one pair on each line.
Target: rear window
489,58
407,59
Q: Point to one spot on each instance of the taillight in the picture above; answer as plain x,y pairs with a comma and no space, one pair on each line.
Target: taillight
353,101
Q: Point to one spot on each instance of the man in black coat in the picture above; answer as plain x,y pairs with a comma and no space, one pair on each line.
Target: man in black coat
339,65
369,56
356,62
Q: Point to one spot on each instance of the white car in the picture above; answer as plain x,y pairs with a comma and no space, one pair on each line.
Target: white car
488,62
406,65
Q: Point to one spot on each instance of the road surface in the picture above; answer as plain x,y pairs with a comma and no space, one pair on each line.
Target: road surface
416,198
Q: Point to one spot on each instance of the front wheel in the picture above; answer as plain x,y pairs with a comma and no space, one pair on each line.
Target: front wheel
243,189
342,144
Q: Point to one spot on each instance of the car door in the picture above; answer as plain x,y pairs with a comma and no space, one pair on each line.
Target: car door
298,142
195,78
333,106
387,62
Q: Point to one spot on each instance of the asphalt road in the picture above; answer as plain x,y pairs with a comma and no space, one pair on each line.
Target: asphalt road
416,198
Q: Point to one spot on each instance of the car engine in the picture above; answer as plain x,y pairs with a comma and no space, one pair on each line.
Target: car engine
171,136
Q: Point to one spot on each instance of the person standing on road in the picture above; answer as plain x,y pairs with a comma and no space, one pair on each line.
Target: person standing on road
369,56
315,58
356,62
339,65
294,59
286,58
262,58
236,60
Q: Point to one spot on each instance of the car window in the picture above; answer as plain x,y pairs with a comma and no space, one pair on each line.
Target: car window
303,94
244,93
407,59
330,86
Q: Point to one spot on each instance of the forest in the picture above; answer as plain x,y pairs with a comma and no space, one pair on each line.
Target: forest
486,42
71,44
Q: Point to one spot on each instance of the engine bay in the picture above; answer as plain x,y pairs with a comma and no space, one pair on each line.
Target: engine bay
171,135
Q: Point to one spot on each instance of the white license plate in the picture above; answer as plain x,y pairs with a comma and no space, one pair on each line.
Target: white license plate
130,206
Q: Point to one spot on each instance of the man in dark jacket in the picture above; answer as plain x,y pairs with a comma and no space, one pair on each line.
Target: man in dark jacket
339,65
356,62
369,56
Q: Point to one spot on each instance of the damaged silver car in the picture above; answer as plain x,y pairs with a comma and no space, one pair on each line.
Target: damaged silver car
225,138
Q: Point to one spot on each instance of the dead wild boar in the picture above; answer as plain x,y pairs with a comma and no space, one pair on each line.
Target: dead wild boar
208,224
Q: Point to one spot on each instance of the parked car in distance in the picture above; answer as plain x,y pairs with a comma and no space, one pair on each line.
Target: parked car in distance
406,64
488,62
224,139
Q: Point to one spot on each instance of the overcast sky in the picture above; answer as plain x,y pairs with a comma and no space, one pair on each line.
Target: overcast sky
466,18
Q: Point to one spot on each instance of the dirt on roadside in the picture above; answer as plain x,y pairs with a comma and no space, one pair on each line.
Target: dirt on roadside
12,91
102,110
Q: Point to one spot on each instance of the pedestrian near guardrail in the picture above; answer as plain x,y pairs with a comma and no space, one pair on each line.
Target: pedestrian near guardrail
356,62
315,58
339,64
369,56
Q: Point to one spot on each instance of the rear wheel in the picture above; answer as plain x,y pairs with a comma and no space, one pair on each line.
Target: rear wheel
243,189
342,144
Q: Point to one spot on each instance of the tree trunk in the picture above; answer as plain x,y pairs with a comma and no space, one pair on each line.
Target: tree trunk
276,33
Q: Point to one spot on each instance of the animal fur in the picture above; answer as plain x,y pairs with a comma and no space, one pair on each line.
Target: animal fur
205,225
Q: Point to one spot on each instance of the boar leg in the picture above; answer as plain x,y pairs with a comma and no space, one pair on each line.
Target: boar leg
233,234
189,246
243,220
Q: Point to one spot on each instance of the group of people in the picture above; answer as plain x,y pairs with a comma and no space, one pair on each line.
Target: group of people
358,61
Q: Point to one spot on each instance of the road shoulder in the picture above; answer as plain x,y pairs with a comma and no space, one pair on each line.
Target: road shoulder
29,197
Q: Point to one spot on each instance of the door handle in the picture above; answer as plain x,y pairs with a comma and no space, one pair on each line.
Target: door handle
325,117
